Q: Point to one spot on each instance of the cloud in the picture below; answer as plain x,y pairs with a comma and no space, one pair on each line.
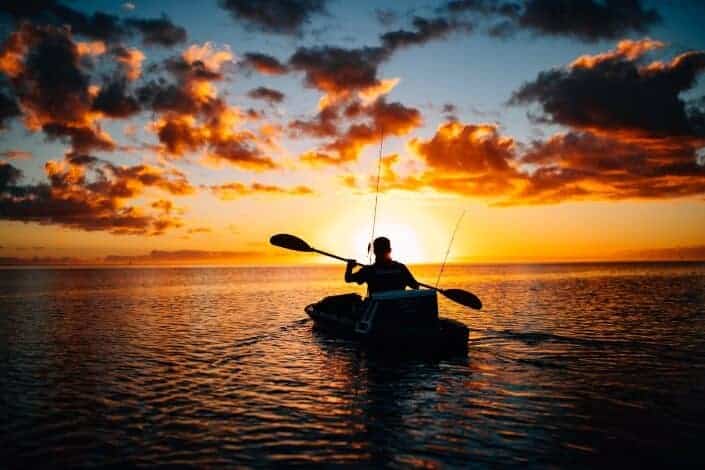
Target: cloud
15,154
680,253
131,60
8,107
86,193
336,70
116,101
185,257
425,30
194,118
323,124
470,149
274,16
82,139
475,160
199,230
583,165
235,190
588,20
470,159
52,87
158,31
370,122
615,92
208,56
44,68
98,25
92,48
263,63
267,94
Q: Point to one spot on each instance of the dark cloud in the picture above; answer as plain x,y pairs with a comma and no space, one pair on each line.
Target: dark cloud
275,16
335,69
9,176
324,124
90,194
613,92
164,96
158,31
263,63
338,71
8,108
81,138
115,100
588,20
99,25
424,31
241,150
267,94
50,82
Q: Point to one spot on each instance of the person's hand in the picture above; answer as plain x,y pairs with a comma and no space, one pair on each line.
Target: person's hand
351,263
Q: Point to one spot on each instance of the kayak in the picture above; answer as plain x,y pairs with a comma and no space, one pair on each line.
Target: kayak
405,320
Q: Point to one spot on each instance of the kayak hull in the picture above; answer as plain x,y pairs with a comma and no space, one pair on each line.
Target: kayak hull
344,316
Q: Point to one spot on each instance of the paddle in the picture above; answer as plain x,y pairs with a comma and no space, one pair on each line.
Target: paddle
291,242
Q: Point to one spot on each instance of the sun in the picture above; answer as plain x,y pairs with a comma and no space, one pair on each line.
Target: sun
405,244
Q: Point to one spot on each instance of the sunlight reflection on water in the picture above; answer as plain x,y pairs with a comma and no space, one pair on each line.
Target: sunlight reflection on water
205,366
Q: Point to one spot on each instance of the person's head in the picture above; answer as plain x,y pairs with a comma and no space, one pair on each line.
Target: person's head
382,248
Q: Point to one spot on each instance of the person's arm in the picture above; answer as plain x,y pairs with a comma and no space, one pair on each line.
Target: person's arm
350,276
410,279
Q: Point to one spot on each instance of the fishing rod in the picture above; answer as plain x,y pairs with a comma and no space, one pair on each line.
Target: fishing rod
450,243
374,214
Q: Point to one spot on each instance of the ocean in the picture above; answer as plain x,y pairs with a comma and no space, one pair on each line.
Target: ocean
568,365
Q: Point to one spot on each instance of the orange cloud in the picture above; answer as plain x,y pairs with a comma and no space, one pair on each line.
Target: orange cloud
90,48
626,49
378,119
475,160
212,58
131,60
235,190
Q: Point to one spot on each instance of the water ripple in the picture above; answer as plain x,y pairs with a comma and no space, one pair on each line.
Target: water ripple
590,364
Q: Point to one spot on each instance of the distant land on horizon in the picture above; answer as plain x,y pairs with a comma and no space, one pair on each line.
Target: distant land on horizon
205,257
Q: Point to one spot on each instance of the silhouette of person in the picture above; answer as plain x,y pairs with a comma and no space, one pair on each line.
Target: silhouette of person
385,274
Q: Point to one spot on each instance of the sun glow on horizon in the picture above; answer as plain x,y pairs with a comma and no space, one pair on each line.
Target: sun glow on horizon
405,244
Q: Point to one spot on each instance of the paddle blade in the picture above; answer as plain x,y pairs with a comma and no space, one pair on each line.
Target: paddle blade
290,242
463,297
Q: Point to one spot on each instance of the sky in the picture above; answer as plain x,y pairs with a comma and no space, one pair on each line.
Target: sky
190,132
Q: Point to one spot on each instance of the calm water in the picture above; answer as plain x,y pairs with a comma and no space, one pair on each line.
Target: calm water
568,364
